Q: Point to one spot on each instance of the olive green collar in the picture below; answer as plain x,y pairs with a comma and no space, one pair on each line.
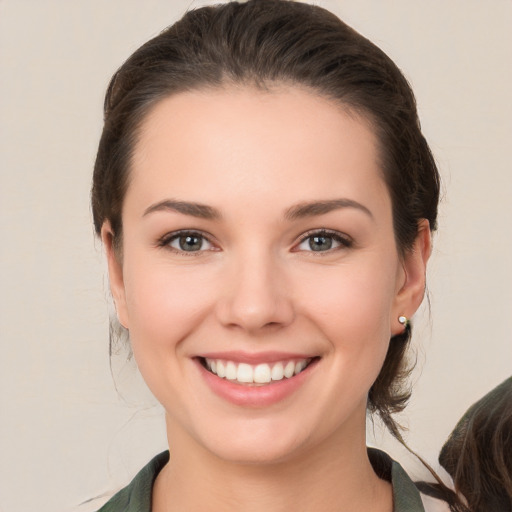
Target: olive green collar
136,497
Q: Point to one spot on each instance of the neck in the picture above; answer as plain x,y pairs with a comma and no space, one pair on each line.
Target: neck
334,477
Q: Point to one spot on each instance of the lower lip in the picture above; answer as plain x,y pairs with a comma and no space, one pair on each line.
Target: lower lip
255,396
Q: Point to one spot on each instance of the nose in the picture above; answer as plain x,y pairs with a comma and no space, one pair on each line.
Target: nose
256,297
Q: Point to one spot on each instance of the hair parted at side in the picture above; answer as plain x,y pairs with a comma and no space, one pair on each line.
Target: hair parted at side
262,43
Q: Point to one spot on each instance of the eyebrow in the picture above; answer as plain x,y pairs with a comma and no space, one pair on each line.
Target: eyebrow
199,210
299,211
311,209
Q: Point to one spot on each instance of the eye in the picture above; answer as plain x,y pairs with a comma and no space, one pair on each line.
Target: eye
323,241
186,241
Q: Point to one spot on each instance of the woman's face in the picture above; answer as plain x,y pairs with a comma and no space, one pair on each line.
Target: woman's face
260,280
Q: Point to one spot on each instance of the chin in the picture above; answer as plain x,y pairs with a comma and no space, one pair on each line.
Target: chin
255,442
256,453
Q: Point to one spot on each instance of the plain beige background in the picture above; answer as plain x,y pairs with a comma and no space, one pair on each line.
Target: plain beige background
65,435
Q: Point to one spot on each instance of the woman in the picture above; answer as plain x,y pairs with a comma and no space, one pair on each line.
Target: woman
266,199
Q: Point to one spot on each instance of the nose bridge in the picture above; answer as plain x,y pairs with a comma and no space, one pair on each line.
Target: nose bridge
256,295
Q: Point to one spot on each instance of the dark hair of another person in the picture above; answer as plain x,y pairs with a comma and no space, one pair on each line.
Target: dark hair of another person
478,453
262,44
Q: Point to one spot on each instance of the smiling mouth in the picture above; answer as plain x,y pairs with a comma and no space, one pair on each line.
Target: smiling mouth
258,374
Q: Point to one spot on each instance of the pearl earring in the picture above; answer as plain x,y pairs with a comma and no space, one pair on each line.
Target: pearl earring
403,320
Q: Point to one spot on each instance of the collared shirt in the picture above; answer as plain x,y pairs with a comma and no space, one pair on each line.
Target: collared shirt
136,497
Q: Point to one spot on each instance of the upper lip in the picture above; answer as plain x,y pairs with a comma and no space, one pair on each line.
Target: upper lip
255,357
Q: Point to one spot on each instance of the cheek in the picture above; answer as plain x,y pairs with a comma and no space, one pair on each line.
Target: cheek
353,296
352,306
164,303
353,314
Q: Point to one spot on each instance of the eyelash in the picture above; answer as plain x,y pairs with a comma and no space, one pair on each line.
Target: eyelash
167,239
344,241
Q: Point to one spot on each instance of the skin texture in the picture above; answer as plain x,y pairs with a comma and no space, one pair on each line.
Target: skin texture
256,286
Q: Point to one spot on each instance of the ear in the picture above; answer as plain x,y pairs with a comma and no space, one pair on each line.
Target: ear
115,273
412,278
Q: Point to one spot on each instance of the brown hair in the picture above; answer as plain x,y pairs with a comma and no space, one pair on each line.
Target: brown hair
478,453
259,43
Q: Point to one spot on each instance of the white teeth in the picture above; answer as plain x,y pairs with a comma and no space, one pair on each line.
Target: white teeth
300,366
277,371
289,369
231,370
262,373
221,369
244,373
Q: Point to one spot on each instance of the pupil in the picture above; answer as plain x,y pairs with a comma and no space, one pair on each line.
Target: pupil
190,243
320,243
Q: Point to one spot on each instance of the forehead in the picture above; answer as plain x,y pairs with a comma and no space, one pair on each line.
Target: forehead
212,143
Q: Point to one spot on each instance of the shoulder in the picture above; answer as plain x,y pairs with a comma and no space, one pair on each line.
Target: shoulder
406,496
136,496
